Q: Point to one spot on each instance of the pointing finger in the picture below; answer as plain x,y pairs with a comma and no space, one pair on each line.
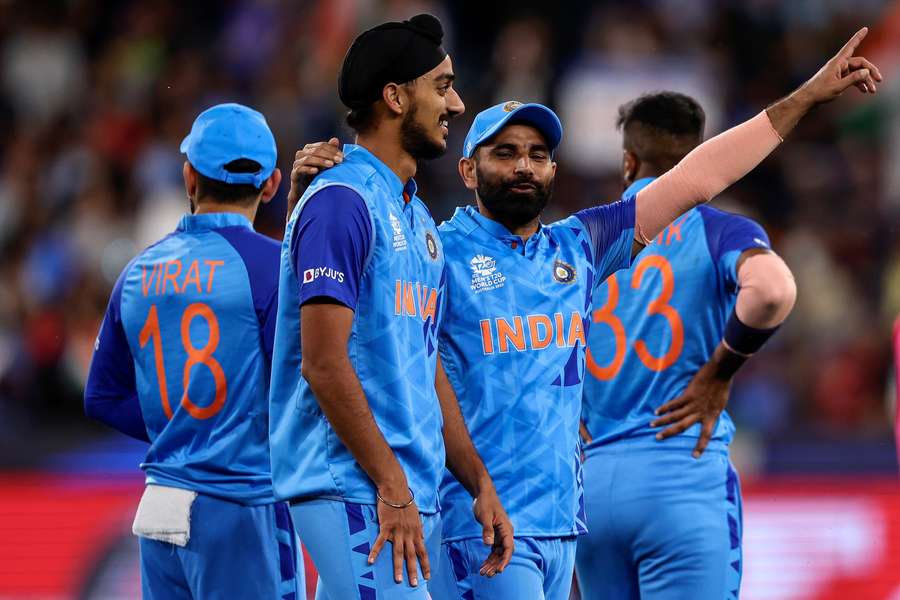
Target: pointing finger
850,47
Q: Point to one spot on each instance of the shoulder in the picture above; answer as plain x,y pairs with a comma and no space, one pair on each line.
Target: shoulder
259,253
727,231
571,225
349,173
717,216
334,197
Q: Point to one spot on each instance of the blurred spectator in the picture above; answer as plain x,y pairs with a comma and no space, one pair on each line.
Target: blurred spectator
98,95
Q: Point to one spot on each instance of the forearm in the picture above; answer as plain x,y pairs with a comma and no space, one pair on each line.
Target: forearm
787,112
462,457
705,172
122,414
724,363
342,399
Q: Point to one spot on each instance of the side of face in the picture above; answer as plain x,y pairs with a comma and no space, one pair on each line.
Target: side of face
630,164
512,174
428,105
190,184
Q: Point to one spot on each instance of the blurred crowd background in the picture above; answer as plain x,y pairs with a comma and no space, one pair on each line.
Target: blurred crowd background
96,97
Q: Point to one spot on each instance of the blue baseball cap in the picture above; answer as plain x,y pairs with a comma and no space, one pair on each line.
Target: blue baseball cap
490,121
228,132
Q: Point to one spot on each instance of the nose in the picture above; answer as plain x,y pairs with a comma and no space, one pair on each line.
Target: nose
523,165
455,106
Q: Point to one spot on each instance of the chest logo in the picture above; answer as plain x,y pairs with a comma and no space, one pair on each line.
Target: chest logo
431,245
399,239
563,272
485,275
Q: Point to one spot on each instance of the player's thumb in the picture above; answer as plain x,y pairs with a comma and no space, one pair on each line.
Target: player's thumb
335,142
487,534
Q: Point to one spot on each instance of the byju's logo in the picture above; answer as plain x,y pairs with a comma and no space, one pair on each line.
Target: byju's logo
310,275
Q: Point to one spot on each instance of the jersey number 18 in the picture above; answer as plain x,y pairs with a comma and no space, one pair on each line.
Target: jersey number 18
195,356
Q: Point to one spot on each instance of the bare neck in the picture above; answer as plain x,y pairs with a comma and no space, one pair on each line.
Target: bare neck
644,171
210,206
385,144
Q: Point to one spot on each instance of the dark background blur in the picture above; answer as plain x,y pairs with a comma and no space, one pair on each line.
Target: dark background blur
96,97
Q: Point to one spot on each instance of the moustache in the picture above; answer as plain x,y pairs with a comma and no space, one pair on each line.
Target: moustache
521,181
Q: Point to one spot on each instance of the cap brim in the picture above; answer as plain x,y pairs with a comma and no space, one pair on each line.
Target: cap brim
537,115
185,144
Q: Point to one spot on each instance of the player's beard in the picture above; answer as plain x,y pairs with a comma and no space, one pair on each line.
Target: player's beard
415,139
513,209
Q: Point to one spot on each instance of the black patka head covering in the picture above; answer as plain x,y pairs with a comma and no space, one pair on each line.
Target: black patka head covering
389,53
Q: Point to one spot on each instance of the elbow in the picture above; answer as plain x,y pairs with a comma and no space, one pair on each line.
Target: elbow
315,370
777,299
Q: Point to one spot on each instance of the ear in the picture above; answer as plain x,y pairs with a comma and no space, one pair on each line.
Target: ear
630,165
190,179
270,187
396,98
466,168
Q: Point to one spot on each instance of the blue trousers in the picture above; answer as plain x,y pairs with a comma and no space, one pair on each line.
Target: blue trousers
661,524
235,552
540,569
339,535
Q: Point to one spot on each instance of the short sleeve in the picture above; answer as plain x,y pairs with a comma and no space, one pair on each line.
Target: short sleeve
728,236
110,393
330,246
261,259
611,231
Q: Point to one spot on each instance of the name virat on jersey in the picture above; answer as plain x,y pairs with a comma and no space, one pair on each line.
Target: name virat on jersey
157,279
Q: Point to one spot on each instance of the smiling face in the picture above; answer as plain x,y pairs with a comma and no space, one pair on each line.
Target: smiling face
434,102
512,175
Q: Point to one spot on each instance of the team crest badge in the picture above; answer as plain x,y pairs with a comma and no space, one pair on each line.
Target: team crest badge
511,106
563,273
431,245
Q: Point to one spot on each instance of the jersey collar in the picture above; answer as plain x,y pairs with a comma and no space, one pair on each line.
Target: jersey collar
398,188
208,221
637,186
469,220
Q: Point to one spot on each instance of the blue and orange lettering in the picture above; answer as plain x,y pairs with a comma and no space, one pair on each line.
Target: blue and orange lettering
507,333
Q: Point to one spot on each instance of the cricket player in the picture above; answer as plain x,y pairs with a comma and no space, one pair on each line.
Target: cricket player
182,362
358,433
519,297
668,335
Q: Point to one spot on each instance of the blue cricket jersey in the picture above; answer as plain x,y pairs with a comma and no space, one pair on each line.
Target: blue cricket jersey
378,252
657,323
513,345
183,357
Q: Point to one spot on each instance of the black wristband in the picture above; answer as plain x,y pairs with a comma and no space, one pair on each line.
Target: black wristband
743,339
